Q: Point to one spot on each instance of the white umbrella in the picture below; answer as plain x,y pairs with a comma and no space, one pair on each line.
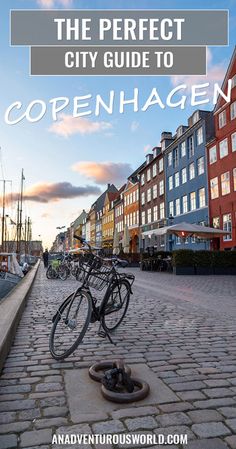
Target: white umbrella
186,229
126,240
116,248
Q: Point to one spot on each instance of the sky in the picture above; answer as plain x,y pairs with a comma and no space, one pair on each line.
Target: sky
69,162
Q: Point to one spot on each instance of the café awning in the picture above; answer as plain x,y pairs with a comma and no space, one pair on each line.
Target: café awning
185,230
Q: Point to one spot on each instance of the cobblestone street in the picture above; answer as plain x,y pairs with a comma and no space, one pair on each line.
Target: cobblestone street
182,328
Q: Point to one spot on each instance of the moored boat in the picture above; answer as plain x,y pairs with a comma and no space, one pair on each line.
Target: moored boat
10,273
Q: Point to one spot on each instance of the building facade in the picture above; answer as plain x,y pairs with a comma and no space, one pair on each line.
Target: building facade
186,177
99,205
108,221
119,215
131,209
222,165
152,198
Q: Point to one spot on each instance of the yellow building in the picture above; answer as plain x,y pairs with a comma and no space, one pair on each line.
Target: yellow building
108,220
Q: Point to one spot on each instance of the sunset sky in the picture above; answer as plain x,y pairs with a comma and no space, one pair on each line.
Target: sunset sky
69,162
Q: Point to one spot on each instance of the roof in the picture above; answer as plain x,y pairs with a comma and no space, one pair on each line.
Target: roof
101,199
225,79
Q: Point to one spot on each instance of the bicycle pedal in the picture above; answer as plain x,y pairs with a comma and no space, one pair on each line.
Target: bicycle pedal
102,334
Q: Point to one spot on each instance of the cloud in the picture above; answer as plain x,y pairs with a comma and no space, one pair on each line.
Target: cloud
51,192
68,125
47,4
104,172
134,126
215,74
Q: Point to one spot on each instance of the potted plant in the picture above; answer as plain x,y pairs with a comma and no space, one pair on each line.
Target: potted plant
183,262
203,262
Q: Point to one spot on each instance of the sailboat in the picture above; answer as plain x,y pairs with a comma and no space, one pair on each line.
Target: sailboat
10,270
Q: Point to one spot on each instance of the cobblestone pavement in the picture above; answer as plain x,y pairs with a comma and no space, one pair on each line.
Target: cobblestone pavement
182,328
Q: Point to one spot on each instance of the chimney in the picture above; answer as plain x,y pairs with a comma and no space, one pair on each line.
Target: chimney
108,186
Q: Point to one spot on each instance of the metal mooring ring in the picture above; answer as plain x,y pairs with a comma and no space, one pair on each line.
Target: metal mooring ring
118,396
108,364
127,397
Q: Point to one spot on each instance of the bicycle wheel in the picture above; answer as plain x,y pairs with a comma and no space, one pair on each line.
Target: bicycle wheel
70,324
51,273
116,305
63,272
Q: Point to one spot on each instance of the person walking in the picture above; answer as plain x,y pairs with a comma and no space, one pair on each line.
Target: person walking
45,258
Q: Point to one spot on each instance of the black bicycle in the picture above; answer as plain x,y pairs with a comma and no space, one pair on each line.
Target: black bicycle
81,308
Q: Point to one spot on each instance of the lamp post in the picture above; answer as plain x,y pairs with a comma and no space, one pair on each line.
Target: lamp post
170,223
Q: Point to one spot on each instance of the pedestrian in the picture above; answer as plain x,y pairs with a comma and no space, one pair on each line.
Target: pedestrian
45,258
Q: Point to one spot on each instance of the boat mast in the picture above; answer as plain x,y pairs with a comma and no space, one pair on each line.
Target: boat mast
4,181
19,215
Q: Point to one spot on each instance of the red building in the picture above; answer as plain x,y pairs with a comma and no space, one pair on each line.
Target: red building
221,153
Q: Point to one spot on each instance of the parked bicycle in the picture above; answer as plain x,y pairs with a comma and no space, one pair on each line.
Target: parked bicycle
81,308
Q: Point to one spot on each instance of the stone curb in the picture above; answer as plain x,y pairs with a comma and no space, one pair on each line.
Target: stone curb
11,308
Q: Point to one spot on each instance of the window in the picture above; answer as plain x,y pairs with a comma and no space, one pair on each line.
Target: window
212,155
161,188
130,220
143,198
202,197
177,179
195,117
169,159
200,166
222,119
175,157
154,170
148,174
183,149
177,206
162,211
184,175
234,81
193,200
223,148
234,178
216,222
185,204
137,217
161,165
191,171
149,195
170,181
199,136
233,141
225,183
149,215
155,214
142,179
233,110
143,218
191,146
171,208
154,191
214,188
227,226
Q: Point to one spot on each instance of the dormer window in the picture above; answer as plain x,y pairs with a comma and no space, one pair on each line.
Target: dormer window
179,131
233,81
195,117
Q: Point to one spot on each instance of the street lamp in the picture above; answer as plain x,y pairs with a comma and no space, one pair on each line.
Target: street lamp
171,240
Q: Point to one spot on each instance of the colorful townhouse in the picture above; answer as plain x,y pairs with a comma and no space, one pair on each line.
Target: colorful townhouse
131,209
99,207
119,215
108,220
186,176
221,153
152,198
